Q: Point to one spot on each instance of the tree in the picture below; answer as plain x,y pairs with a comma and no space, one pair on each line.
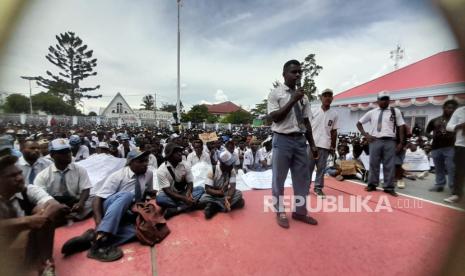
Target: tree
238,117
171,107
148,102
92,113
16,103
262,108
54,105
310,70
75,64
198,114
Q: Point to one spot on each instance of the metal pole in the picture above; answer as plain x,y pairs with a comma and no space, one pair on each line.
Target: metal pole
30,96
178,104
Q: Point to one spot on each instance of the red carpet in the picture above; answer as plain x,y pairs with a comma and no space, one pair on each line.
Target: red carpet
249,242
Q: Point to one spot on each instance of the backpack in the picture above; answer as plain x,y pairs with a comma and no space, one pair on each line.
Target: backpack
151,226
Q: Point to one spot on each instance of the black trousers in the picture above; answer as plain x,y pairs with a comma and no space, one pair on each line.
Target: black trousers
459,160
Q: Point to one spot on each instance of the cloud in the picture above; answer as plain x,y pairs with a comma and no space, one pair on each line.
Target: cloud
239,45
220,96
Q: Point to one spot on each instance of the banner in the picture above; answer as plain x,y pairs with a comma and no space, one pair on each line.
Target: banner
75,120
22,119
208,137
416,161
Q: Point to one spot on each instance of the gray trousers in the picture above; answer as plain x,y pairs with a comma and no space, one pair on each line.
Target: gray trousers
320,167
290,152
206,198
382,152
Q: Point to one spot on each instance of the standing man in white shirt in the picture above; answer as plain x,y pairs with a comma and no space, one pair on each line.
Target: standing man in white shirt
31,163
382,139
324,128
289,109
457,124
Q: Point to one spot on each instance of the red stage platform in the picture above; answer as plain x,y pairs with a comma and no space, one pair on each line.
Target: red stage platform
407,241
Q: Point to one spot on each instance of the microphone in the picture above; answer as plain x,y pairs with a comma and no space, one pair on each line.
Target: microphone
298,84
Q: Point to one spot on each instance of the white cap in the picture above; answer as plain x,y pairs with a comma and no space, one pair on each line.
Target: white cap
59,144
383,94
103,145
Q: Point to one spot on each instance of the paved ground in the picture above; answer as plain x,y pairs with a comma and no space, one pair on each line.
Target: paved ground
406,241
419,188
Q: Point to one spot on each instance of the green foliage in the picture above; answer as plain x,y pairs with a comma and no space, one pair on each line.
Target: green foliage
92,113
171,107
238,117
260,108
16,103
75,64
51,104
310,70
198,114
148,102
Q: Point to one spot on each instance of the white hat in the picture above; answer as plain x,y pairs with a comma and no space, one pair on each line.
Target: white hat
227,158
59,144
103,145
383,94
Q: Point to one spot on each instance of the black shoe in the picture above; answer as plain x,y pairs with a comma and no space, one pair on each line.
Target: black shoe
304,218
320,193
211,210
436,189
104,253
171,212
238,205
391,192
370,188
79,243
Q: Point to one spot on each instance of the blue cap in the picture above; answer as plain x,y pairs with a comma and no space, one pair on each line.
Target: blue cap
134,154
74,140
6,142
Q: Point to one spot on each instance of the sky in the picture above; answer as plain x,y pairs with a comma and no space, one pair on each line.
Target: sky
230,50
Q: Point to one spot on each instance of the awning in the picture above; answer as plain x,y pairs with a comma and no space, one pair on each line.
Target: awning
417,101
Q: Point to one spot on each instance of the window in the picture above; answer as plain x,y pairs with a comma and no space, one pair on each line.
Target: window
119,108
113,111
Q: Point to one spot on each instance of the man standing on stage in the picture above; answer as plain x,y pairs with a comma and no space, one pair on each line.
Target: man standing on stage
289,109
324,128
382,138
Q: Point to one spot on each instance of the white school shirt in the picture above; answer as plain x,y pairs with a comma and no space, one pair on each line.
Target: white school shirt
181,172
387,125
76,180
457,118
251,160
322,124
35,195
278,98
82,153
124,180
193,159
40,164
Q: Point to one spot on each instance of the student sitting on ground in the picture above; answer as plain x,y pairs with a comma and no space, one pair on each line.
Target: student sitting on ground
253,158
28,216
175,180
112,204
66,181
220,190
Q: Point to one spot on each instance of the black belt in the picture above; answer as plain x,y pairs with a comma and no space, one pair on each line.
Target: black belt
292,134
387,138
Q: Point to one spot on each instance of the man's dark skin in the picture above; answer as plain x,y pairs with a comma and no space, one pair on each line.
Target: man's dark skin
326,100
383,103
175,158
447,112
227,191
62,159
138,166
291,74
31,152
198,148
12,182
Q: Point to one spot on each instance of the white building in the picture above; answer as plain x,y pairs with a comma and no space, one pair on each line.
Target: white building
3,96
419,90
119,108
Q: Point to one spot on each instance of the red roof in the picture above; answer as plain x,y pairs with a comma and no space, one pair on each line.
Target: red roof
222,108
442,68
